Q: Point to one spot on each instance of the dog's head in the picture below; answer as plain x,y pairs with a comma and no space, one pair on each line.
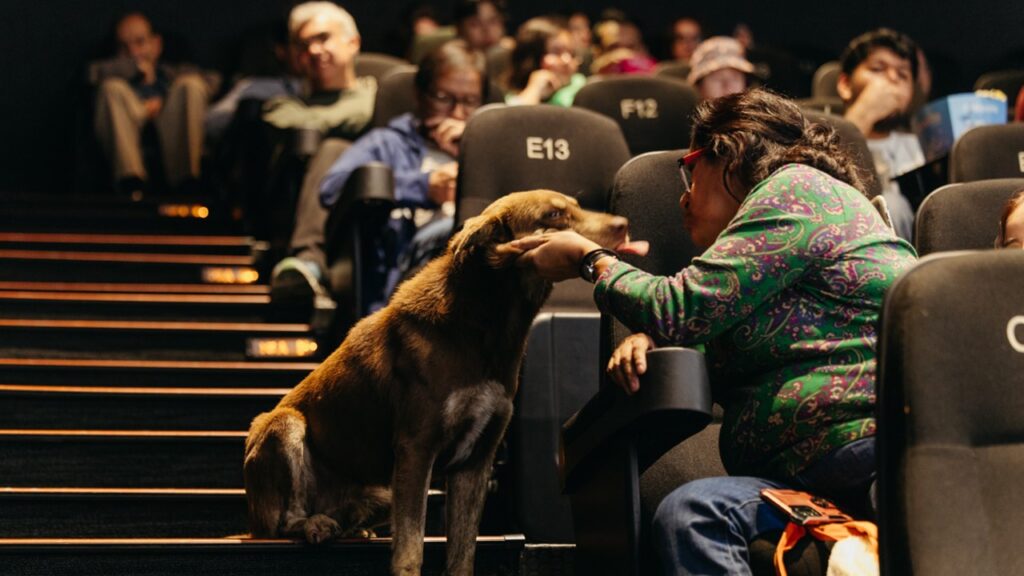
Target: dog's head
524,213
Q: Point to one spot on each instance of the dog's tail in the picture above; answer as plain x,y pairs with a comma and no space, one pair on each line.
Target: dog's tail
274,451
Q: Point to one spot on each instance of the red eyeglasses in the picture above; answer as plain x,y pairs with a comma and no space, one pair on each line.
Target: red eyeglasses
684,168
684,174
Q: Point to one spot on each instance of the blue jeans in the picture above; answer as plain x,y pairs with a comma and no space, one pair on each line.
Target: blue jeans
428,242
705,526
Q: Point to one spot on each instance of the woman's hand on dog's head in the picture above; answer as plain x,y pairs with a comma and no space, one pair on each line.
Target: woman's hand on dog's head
556,255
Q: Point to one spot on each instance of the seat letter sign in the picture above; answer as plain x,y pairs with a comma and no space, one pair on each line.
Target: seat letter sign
1011,333
644,109
538,148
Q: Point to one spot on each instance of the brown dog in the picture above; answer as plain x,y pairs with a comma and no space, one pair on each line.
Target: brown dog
429,378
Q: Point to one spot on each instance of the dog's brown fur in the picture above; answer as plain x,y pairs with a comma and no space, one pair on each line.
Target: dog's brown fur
429,377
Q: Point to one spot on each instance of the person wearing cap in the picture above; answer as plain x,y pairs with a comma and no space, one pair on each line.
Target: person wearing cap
719,68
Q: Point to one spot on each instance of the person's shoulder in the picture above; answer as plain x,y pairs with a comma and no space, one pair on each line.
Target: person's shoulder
795,187
399,130
796,177
366,84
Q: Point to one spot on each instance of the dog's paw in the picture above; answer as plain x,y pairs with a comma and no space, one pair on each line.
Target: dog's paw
320,528
361,533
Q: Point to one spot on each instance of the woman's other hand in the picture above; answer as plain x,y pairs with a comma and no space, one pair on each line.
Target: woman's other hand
629,361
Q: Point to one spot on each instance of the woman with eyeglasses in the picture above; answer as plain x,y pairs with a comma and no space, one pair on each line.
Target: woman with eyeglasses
785,301
421,148
544,69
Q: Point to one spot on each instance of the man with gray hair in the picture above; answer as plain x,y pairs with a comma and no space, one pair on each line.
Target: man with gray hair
325,41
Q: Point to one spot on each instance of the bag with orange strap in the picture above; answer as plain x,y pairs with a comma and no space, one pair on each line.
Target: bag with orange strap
855,552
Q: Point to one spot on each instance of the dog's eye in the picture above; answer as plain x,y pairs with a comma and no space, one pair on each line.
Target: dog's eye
553,215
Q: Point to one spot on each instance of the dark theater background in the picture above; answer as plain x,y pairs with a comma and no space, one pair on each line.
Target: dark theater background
47,44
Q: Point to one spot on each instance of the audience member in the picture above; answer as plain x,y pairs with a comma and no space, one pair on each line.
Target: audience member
620,48
1011,223
326,42
421,150
544,66
1018,115
686,36
579,27
876,83
788,324
719,68
137,88
481,24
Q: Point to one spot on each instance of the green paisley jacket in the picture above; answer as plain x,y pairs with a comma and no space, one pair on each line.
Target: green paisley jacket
786,303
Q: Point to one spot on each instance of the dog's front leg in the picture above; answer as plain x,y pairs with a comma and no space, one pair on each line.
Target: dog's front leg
467,490
413,463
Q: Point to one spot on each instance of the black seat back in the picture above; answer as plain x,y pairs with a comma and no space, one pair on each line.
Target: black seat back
396,95
855,143
512,148
826,78
951,436
986,152
653,112
673,69
963,216
647,191
376,64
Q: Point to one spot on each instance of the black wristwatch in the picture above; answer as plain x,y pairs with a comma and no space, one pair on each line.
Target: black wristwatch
588,265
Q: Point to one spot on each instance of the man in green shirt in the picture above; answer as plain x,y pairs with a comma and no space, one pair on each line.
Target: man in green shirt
324,42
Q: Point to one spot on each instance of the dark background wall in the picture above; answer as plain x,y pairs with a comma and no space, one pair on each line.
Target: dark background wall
46,44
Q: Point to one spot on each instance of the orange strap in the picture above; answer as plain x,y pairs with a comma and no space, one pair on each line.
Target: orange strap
824,532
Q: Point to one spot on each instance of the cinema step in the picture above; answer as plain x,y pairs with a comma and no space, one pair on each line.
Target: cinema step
64,265
495,556
141,513
73,213
139,306
123,459
135,288
122,512
42,338
90,407
160,373
152,243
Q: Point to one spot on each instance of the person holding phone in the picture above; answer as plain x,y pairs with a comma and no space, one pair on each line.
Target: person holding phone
421,149
785,301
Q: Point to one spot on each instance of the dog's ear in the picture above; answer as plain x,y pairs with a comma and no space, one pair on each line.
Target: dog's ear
484,236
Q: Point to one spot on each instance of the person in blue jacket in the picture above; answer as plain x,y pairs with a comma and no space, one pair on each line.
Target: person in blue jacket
421,149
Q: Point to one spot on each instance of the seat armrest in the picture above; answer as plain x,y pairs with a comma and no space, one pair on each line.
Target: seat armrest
672,404
353,229
369,187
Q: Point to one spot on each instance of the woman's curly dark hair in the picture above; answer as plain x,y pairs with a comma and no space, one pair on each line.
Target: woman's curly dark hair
757,131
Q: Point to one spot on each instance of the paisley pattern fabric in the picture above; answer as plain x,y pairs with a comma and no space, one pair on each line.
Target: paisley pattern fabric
786,303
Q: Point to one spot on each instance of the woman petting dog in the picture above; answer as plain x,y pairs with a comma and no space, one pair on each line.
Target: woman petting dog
785,300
